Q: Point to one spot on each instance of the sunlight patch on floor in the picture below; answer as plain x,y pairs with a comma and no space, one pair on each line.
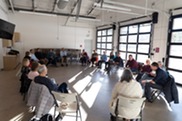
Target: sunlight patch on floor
89,95
74,77
81,84
19,117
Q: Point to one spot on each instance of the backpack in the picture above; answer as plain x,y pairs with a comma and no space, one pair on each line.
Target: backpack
46,117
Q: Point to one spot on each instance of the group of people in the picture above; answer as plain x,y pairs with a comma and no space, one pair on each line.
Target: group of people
51,57
151,75
34,68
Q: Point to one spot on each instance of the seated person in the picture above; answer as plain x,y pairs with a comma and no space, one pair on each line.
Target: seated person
103,59
110,61
27,55
145,71
42,59
161,65
49,83
24,74
84,57
157,82
132,64
94,57
118,60
32,55
51,56
34,71
127,87
63,55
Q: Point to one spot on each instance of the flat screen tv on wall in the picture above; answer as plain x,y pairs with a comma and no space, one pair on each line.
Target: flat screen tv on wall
6,29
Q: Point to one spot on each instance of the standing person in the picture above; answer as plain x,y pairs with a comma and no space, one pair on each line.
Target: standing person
84,57
118,60
94,57
157,82
103,59
63,55
34,71
126,87
132,64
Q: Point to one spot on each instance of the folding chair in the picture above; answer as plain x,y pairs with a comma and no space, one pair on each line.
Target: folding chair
67,103
124,103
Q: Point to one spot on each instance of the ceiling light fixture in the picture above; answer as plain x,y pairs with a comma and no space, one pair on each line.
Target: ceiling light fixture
36,13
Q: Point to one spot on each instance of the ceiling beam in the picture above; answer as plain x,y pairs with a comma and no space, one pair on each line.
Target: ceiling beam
78,10
54,6
51,13
11,5
33,5
74,6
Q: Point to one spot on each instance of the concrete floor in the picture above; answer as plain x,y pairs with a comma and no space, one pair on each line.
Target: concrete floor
94,88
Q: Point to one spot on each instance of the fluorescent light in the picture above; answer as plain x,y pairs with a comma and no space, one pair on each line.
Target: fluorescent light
128,5
89,19
36,13
115,7
116,11
107,6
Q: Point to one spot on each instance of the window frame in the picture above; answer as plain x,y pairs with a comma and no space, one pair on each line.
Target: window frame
105,49
170,43
136,43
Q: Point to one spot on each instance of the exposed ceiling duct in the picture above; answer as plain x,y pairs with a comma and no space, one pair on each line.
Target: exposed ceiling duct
62,4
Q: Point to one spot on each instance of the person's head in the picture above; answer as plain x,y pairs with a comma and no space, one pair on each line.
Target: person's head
62,49
26,62
148,62
35,66
104,52
130,57
38,50
51,50
127,75
111,53
42,70
83,50
27,53
94,51
160,64
154,66
118,54
32,51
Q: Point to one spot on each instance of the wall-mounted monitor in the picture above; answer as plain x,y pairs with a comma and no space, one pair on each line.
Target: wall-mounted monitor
6,29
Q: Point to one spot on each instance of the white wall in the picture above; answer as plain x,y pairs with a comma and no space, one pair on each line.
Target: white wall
4,16
48,31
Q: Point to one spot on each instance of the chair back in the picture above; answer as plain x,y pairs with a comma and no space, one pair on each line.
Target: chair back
129,103
65,97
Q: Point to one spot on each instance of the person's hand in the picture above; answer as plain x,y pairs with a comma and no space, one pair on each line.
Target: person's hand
152,74
152,82
144,81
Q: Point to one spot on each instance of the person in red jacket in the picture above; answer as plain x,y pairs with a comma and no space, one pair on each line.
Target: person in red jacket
132,64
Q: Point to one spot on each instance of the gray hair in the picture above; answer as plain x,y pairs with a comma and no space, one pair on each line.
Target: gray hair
41,68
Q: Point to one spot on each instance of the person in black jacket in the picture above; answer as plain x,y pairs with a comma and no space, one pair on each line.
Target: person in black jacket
158,82
24,74
49,83
118,60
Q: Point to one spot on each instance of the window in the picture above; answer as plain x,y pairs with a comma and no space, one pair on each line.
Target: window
104,41
135,40
174,48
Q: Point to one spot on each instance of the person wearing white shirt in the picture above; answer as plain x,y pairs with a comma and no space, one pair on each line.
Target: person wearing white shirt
126,87
63,55
32,56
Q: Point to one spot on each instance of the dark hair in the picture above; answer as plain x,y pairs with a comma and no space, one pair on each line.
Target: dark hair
27,53
127,75
35,65
130,55
155,64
